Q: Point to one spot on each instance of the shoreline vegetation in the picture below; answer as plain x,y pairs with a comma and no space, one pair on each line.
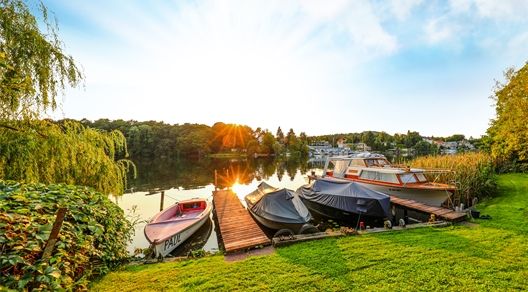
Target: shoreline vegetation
481,255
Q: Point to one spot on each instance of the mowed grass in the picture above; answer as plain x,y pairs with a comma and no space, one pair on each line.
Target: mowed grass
492,255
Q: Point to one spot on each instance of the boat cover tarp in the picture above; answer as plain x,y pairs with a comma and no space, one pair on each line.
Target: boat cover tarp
347,196
279,205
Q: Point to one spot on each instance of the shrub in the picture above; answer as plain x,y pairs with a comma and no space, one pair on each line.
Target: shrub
92,240
472,173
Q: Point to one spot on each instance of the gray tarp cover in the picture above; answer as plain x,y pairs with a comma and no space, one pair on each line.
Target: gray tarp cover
347,196
279,205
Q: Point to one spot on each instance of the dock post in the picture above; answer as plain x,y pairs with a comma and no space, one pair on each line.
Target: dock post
216,179
162,200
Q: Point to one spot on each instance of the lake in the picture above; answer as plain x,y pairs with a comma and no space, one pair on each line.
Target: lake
195,179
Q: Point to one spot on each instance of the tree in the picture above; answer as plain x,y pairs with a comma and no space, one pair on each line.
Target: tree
268,143
508,133
33,66
33,70
455,138
303,137
68,152
291,138
280,136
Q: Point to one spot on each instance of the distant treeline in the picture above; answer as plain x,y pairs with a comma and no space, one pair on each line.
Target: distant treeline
153,139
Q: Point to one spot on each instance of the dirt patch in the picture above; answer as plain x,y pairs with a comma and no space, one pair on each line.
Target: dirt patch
254,252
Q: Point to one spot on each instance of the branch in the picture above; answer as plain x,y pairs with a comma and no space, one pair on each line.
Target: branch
19,130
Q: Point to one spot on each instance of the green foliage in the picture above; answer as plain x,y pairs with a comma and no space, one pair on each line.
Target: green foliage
147,140
92,240
508,132
33,66
47,152
455,138
425,148
279,135
489,256
472,173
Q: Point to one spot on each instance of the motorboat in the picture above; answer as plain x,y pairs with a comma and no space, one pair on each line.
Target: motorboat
172,226
279,209
377,173
344,200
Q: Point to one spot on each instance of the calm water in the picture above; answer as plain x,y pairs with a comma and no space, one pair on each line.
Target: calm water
191,179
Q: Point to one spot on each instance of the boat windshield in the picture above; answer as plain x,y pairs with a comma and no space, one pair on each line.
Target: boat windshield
340,167
408,178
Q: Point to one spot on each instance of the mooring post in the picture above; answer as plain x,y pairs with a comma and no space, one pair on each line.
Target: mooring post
216,180
162,200
54,235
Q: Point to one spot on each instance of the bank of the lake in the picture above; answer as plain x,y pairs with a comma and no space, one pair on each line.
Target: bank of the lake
489,255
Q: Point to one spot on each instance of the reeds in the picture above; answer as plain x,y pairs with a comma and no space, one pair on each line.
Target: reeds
472,173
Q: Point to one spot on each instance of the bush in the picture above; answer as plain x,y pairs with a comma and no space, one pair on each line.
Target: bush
92,240
473,174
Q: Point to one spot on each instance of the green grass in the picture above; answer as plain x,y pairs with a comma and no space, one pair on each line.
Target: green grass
490,256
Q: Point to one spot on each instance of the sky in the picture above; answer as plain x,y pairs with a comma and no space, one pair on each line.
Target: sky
320,67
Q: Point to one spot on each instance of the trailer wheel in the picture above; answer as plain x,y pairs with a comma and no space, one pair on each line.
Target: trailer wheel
284,233
308,229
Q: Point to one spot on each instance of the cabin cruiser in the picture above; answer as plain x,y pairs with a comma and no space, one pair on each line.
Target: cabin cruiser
377,173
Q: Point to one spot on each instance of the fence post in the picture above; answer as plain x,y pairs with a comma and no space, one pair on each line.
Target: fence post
54,235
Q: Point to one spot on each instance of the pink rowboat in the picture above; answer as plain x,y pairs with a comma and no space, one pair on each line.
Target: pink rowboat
172,226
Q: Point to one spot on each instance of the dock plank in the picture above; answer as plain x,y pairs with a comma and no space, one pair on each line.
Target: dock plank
237,228
445,213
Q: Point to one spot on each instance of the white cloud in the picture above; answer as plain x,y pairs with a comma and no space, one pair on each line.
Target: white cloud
440,29
403,8
506,10
460,6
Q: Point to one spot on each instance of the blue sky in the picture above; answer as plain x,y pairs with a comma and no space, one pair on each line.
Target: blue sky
314,66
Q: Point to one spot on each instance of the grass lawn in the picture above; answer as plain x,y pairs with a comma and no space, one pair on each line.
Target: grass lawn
490,256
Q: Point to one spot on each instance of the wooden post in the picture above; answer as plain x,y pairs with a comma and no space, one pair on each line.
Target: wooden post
50,244
216,180
162,200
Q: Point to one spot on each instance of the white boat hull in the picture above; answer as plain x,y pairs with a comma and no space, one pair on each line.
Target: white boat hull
163,248
427,196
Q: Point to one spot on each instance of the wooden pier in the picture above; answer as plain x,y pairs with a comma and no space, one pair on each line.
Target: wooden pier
439,212
238,229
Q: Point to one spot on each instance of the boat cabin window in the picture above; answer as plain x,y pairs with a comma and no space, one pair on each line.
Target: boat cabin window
408,178
421,177
376,162
357,162
379,176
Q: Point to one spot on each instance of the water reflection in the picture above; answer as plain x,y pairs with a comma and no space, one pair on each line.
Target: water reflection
201,239
192,174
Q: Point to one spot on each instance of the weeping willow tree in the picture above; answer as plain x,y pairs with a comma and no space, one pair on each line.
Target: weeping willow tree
34,70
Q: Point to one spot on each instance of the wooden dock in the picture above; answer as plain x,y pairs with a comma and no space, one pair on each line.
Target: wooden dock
238,229
439,212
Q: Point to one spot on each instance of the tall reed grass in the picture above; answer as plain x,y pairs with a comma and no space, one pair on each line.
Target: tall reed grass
473,174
